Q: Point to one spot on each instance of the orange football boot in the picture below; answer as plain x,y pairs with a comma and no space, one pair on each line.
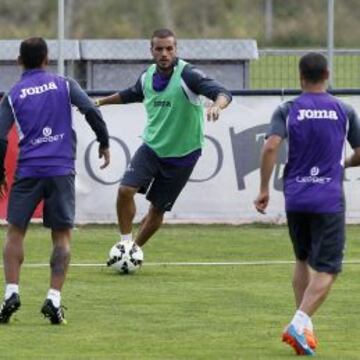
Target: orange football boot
311,338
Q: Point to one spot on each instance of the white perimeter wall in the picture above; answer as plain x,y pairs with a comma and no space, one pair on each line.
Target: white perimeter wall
226,178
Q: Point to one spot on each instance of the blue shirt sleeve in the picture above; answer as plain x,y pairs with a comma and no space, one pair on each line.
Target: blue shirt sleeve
353,135
278,121
81,100
6,122
200,84
6,117
135,93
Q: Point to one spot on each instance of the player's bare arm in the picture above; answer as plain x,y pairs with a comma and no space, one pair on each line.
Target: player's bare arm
3,188
3,182
104,152
353,159
267,163
7,120
108,100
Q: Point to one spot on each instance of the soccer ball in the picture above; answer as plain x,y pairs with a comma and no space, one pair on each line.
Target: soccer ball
125,257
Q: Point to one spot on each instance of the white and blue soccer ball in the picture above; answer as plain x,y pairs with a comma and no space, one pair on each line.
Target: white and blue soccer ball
125,257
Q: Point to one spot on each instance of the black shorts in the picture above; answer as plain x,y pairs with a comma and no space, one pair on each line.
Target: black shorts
162,182
318,239
58,193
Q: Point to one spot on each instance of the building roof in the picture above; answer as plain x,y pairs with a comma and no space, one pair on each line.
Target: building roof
139,49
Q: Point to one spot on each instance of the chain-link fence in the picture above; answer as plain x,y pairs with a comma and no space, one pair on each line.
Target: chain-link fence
117,64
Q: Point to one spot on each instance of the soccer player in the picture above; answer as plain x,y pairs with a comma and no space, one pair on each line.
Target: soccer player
40,106
173,136
316,125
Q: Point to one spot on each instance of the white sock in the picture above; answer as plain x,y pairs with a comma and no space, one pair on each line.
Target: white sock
10,289
309,325
126,237
299,321
54,296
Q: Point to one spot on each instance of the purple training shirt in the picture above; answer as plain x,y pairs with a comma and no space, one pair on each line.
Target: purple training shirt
41,105
317,128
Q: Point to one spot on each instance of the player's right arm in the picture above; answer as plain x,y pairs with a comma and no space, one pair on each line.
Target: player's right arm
108,100
6,122
277,132
267,163
127,96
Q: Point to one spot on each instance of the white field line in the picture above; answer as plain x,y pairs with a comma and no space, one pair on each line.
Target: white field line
227,263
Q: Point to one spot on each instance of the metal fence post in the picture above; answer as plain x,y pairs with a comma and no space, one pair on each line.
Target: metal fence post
61,16
330,41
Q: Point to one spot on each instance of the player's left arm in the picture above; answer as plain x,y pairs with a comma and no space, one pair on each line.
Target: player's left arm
6,122
353,137
221,102
353,159
200,84
93,116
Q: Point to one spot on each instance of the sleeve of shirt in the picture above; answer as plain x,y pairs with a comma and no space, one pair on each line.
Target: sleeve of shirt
6,122
6,117
81,100
353,135
200,84
135,93
278,122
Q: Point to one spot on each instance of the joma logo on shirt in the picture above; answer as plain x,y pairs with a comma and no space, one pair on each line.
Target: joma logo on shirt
37,89
162,103
317,114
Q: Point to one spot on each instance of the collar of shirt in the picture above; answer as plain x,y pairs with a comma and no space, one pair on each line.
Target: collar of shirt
31,72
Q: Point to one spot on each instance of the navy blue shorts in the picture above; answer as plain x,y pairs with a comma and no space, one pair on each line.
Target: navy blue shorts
58,193
318,239
161,181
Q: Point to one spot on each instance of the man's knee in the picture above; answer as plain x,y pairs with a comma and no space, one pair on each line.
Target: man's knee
15,234
156,214
126,192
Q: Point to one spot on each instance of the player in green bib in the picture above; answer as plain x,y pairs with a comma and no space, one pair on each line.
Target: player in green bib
175,125
173,136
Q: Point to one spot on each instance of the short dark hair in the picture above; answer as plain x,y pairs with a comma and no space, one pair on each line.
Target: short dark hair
313,67
33,52
162,34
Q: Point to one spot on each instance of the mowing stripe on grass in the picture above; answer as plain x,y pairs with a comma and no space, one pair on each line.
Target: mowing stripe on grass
227,263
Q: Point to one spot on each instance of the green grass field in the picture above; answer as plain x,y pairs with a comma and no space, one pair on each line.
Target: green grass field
179,312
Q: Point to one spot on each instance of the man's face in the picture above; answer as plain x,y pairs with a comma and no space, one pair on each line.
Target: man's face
164,52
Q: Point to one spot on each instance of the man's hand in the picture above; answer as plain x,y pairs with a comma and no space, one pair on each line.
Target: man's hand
104,153
261,202
221,102
3,188
213,112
